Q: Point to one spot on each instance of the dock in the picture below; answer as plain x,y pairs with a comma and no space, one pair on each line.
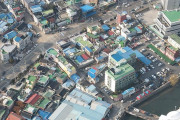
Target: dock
141,114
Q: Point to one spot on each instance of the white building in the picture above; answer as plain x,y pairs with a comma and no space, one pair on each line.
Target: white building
7,51
23,41
174,40
170,4
168,23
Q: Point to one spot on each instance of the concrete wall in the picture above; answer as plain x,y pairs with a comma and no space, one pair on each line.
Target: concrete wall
163,87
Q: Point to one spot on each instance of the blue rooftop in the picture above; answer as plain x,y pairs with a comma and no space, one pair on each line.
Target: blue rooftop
17,39
120,38
127,54
79,59
75,78
117,56
10,35
92,72
86,8
143,59
36,8
44,115
89,49
105,27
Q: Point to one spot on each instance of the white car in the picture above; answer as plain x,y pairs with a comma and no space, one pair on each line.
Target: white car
152,66
154,60
154,76
160,64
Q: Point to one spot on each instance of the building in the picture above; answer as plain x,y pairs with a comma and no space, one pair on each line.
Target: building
7,52
81,105
121,17
168,50
174,40
22,40
65,65
168,23
43,80
120,76
123,53
170,4
16,8
14,116
87,11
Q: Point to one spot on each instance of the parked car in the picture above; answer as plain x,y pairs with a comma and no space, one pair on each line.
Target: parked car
160,64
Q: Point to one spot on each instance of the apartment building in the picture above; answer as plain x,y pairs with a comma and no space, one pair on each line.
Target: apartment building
119,77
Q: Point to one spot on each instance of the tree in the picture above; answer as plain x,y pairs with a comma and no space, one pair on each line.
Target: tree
174,79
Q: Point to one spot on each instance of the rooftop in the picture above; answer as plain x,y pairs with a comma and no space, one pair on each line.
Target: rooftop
123,70
44,103
52,51
43,79
173,16
30,109
176,38
83,42
14,116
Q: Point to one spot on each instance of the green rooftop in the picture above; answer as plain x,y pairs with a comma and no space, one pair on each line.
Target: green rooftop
44,103
175,38
43,79
173,16
36,65
47,12
125,70
30,109
52,51
2,113
32,78
62,59
9,102
48,94
83,42
3,51
92,36
161,54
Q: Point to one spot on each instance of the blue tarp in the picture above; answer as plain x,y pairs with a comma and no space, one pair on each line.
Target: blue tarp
79,59
86,8
10,35
75,78
128,91
141,57
105,27
44,115
92,72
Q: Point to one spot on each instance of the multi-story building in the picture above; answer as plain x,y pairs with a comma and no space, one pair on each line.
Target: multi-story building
170,4
119,77
65,65
174,40
21,41
168,23
124,53
7,52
